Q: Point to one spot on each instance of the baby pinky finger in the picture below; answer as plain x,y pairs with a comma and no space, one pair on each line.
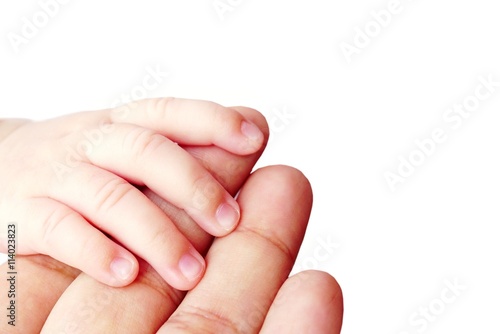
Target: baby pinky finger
58,231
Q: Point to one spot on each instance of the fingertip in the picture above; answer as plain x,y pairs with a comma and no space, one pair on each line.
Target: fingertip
124,270
254,138
237,133
186,273
228,216
255,117
192,267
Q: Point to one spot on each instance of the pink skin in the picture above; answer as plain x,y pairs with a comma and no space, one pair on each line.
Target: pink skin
275,203
80,175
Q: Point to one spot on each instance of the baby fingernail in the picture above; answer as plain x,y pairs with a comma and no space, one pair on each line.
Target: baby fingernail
122,268
227,216
191,266
251,131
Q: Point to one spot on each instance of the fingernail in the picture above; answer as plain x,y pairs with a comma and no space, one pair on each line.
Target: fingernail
122,268
227,216
251,131
191,266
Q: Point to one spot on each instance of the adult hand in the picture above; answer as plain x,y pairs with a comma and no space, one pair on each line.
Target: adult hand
244,290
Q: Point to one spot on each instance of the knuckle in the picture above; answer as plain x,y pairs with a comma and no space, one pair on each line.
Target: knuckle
111,193
52,223
142,142
159,108
158,239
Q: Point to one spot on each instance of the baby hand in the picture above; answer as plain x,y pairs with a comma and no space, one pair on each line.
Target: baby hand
70,186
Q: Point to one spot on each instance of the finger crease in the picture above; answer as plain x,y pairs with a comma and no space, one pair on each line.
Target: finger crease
210,320
53,221
111,194
278,244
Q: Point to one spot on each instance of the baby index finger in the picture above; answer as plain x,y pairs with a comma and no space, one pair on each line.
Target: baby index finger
193,122
144,157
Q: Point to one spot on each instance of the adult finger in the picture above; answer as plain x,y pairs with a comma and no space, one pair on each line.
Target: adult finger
246,268
132,307
39,283
309,302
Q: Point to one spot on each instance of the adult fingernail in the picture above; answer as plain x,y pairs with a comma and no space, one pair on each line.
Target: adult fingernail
191,266
227,216
122,268
252,132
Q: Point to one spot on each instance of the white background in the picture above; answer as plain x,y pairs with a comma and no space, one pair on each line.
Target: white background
348,123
